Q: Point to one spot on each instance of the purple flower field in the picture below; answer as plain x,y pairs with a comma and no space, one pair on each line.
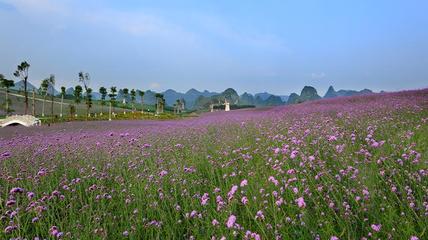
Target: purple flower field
345,168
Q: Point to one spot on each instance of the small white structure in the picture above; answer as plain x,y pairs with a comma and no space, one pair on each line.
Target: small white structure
226,105
25,120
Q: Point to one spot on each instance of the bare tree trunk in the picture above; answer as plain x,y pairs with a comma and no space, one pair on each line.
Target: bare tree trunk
26,95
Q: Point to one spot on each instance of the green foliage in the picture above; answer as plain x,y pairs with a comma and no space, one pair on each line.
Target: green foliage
78,94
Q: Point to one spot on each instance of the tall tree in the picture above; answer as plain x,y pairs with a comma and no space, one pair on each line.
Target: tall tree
85,78
112,97
103,92
158,96
51,82
133,95
62,98
44,91
78,94
5,83
125,92
22,72
141,93
178,103
77,97
160,102
88,100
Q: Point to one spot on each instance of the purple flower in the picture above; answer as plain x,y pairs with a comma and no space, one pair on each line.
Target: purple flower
301,202
244,183
376,227
9,229
16,190
231,221
10,203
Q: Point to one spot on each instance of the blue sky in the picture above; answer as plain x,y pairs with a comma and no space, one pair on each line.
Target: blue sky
253,46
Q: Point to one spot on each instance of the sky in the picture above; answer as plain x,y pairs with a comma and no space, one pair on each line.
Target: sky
252,46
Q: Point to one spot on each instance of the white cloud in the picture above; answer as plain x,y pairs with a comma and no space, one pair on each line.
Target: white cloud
251,37
155,85
318,75
38,6
137,23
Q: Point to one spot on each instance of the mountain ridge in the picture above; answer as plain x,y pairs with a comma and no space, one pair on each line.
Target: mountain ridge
195,99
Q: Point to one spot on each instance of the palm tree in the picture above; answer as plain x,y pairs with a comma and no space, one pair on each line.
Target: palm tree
44,91
112,96
141,93
62,99
77,96
22,72
160,102
6,84
103,92
125,97
85,78
175,108
88,101
178,103
51,82
133,94
158,96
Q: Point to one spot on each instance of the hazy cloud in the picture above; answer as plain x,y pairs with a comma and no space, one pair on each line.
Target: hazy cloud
37,6
155,85
320,75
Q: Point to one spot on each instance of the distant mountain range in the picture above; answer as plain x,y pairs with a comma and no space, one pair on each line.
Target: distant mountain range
310,93
195,99
331,93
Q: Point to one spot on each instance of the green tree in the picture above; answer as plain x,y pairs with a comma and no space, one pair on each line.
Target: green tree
103,92
133,96
77,97
112,97
178,104
160,102
85,79
141,93
78,94
22,72
125,92
88,100
62,98
6,84
51,82
63,91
